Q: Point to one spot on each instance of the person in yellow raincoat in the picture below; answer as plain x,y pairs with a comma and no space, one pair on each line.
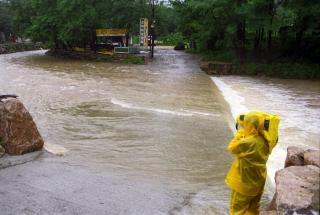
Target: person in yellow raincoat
251,147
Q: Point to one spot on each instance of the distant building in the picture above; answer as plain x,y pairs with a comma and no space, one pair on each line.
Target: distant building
108,39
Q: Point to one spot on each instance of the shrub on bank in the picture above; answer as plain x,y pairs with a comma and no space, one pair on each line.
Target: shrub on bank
171,39
180,46
134,60
90,55
18,47
281,68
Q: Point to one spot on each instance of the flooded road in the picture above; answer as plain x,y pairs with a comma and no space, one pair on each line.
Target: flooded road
162,128
164,122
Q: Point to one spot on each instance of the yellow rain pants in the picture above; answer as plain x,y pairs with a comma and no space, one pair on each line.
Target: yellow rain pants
248,172
238,201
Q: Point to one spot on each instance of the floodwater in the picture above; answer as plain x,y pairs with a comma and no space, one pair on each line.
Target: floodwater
165,122
297,102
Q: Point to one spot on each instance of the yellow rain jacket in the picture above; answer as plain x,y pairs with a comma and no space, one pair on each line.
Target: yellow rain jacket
251,147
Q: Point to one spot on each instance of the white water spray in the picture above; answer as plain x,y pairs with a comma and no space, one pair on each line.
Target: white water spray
298,119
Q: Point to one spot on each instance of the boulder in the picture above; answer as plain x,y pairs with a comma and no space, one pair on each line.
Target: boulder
294,156
312,157
297,189
18,131
180,46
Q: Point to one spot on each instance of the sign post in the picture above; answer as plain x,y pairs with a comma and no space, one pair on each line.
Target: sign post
144,31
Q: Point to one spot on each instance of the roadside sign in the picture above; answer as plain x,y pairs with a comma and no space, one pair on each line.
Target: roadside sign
144,32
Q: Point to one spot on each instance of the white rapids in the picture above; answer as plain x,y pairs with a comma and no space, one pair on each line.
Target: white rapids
295,101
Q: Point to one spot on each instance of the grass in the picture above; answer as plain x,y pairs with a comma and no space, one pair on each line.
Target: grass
134,60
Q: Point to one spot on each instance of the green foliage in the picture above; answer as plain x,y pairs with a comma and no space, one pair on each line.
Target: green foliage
135,40
5,18
134,60
283,70
165,20
17,47
220,55
63,24
171,39
289,28
262,31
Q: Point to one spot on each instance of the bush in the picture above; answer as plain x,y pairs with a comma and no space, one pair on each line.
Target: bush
134,60
282,70
171,39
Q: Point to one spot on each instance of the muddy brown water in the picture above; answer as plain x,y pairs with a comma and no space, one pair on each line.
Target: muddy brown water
297,102
166,122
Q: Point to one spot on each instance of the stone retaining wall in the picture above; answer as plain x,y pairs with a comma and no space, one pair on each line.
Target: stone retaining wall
6,48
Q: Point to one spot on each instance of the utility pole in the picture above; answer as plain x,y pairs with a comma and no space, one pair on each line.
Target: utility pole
152,30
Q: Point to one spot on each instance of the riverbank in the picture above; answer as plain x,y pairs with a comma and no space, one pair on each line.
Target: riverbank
92,56
279,68
6,48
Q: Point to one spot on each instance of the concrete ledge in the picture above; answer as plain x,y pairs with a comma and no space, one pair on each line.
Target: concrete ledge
8,161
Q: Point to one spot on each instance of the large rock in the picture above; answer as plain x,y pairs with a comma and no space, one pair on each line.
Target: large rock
294,157
297,189
17,128
180,46
312,157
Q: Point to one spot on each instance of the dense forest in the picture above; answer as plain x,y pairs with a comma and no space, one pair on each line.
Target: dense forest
5,18
290,28
68,23
261,30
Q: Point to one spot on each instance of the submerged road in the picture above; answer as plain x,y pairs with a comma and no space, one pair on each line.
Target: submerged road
145,139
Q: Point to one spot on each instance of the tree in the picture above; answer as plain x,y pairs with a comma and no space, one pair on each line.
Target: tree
258,26
5,18
69,23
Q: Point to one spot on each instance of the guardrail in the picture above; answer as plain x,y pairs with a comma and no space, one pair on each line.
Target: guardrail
127,50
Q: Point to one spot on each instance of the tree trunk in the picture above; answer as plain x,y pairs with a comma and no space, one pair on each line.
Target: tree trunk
262,34
269,39
271,14
241,33
299,38
256,40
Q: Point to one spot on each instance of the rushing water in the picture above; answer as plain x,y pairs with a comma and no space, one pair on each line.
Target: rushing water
297,102
165,122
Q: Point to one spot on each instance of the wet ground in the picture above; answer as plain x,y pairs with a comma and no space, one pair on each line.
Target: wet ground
50,185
